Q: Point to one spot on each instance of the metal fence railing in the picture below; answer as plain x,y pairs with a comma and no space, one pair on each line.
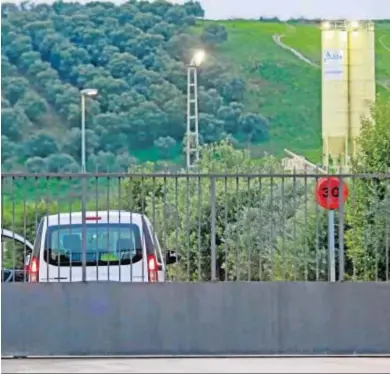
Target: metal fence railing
241,227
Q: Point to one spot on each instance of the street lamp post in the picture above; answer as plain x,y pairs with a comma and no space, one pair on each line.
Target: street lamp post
192,139
88,92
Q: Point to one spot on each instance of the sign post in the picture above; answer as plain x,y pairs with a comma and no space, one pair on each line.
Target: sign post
331,250
328,196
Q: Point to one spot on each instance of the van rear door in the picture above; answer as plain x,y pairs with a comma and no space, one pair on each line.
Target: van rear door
114,252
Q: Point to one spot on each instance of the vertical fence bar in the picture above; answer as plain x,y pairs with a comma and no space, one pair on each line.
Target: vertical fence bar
178,222
143,209
227,237
249,254
83,228
70,206
58,275
24,235
108,228
237,248
272,226
199,224
97,181
13,229
118,250
377,229
188,235
45,183
307,258
366,234
132,207
387,233
294,264
283,207
3,246
213,230
353,203
341,231
318,252
261,249
166,208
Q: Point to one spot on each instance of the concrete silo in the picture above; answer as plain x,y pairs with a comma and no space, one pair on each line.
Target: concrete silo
335,99
361,45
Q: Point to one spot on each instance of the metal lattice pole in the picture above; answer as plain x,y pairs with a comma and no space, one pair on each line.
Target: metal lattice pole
192,138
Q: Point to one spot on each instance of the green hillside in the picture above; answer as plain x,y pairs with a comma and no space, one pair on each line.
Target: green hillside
251,90
282,87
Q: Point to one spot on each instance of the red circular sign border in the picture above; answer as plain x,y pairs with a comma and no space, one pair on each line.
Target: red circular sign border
330,203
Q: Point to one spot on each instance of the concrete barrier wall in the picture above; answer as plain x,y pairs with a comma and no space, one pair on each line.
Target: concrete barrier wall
206,318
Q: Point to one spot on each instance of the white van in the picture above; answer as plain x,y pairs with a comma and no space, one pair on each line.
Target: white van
120,246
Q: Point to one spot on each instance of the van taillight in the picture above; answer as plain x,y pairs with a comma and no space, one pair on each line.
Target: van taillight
152,268
33,270
93,218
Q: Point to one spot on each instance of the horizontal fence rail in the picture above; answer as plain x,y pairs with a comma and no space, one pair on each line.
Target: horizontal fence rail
224,227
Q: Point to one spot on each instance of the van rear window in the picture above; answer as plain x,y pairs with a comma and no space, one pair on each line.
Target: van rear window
107,244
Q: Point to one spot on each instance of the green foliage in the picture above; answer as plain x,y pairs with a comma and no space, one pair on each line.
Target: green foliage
251,217
165,146
40,145
14,123
368,238
214,34
136,55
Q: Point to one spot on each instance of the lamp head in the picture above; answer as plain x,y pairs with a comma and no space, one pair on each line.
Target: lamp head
90,92
198,57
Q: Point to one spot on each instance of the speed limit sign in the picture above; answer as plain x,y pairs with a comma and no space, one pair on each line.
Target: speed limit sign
328,192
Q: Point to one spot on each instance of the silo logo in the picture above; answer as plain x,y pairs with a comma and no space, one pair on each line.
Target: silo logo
333,56
332,64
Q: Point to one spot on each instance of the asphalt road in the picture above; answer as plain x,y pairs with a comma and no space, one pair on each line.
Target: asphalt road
198,365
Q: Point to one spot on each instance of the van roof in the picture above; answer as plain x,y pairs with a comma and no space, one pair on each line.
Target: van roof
105,216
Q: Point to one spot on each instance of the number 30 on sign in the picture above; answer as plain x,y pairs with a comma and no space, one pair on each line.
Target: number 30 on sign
328,192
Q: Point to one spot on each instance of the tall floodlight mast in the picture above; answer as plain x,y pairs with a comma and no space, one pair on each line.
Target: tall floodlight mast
192,134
